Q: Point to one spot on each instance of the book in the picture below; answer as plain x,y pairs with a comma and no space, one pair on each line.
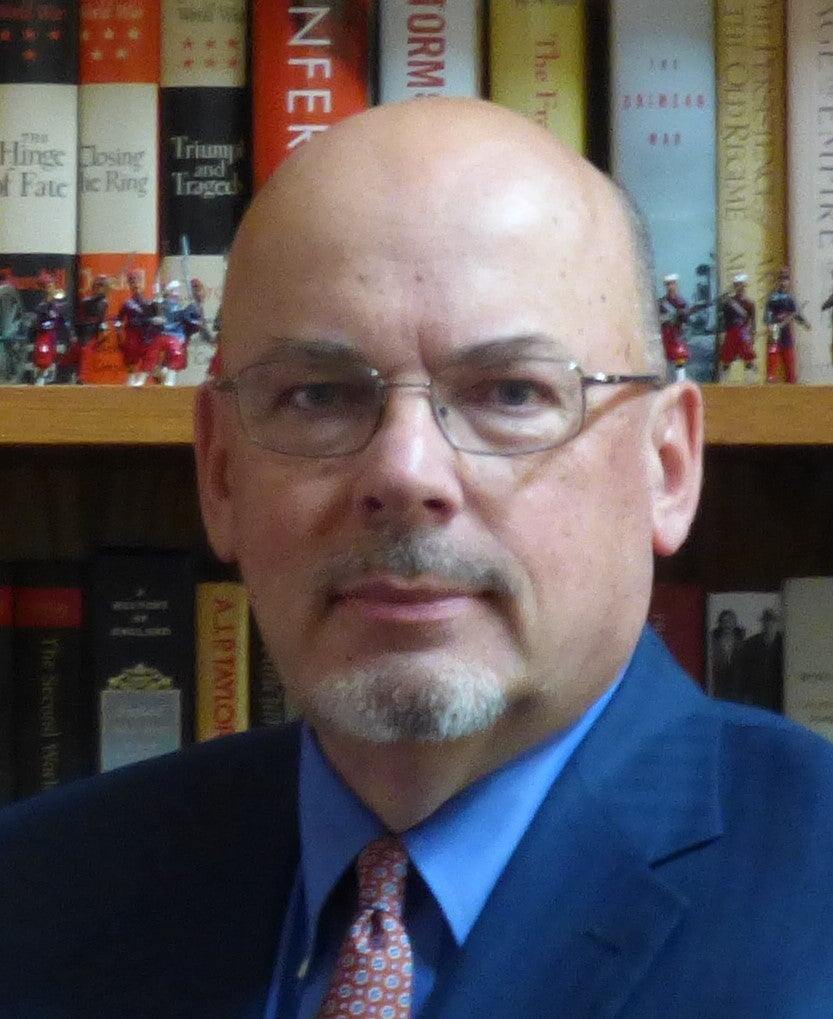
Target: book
677,612
310,69
269,700
222,680
51,731
38,166
663,149
744,647
118,155
538,64
751,157
7,776
205,162
429,49
808,652
142,604
810,236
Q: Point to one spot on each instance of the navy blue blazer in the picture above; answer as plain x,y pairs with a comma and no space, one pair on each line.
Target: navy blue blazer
680,868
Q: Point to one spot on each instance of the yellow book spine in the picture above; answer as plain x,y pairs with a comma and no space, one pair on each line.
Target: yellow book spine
222,694
751,154
538,64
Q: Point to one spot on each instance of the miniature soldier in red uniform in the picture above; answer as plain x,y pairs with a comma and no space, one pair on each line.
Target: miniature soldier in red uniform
674,313
781,311
738,313
92,311
52,333
133,319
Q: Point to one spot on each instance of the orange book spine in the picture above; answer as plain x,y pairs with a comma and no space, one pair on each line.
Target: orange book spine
310,69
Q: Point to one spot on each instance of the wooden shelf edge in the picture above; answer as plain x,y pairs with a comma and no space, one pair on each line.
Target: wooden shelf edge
774,415
96,415
777,415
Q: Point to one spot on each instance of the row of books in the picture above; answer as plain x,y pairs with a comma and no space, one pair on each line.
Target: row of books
773,649
180,110
130,655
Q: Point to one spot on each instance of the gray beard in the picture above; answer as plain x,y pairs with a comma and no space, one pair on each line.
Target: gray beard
400,698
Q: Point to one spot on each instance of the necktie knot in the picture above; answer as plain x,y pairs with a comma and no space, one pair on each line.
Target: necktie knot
374,969
382,867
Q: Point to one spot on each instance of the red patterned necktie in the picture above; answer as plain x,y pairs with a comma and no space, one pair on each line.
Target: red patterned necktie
373,972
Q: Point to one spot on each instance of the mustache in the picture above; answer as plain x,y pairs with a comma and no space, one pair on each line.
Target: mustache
422,553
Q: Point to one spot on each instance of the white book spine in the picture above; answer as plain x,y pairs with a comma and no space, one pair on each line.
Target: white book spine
663,143
808,652
810,179
428,49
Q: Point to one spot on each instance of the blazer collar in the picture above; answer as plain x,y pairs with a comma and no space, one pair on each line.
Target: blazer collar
582,909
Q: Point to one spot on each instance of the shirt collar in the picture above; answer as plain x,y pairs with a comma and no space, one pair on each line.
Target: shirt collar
474,833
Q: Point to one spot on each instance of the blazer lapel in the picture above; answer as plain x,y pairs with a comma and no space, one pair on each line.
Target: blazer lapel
582,911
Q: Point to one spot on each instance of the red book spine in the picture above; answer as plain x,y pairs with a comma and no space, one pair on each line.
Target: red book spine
310,69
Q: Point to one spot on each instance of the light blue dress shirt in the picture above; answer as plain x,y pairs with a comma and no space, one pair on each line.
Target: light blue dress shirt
456,857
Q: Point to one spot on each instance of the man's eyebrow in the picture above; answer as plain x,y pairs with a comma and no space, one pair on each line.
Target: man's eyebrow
316,349
491,351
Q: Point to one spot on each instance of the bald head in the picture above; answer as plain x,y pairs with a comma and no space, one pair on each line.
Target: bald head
391,182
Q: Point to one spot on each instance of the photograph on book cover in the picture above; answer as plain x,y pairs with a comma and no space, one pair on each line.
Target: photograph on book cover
744,647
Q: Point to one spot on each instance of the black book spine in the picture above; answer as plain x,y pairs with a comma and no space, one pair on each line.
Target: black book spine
49,728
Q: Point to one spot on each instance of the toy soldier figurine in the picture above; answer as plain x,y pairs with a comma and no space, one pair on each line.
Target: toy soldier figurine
165,354
781,311
738,314
12,328
92,311
829,304
133,319
193,314
674,312
52,334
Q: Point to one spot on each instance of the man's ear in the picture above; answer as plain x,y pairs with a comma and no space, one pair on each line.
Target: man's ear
677,463
211,449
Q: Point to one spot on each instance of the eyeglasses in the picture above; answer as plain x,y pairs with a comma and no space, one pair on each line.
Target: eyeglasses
301,407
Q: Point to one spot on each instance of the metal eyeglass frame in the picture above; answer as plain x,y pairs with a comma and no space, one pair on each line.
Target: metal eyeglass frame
230,384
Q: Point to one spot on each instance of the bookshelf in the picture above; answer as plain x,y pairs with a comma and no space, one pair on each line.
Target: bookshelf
777,415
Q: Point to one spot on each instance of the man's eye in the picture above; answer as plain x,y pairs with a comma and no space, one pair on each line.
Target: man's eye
503,393
336,397
314,395
517,393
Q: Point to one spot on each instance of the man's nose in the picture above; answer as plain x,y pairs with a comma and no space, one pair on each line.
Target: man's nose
409,469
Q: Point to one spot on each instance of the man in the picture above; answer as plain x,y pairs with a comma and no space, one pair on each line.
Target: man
726,641
674,313
780,313
738,313
451,562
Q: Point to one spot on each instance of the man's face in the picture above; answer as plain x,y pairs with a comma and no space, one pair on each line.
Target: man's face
410,574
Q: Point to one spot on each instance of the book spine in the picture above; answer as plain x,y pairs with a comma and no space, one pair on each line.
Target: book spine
143,653
809,169
677,613
206,164
48,695
7,770
38,137
663,147
118,147
270,704
751,155
808,652
429,49
222,684
310,69
538,64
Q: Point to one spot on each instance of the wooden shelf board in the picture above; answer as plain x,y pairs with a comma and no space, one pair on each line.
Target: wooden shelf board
96,415
775,415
